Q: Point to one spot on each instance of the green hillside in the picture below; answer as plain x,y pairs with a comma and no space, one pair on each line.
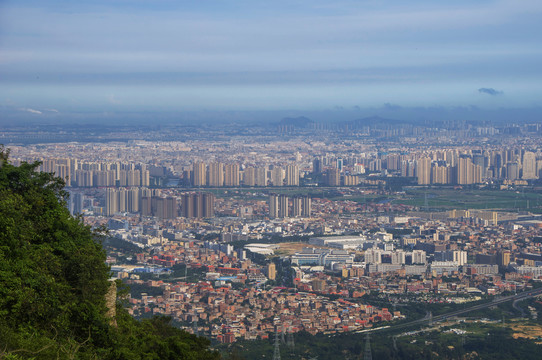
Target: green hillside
54,281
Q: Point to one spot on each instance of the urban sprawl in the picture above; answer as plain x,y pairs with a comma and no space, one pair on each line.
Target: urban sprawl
236,236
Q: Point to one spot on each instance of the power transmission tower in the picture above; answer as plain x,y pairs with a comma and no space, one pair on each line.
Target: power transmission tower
367,355
426,203
196,327
463,336
276,354
291,339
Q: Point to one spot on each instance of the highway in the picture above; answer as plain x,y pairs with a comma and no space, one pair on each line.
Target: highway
521,296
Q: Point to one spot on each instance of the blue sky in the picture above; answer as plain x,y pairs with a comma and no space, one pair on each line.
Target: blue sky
162,55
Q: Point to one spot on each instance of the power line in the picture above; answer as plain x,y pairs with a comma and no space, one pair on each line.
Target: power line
276,354
367,355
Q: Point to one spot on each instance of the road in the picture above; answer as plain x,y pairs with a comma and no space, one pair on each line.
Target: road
521,296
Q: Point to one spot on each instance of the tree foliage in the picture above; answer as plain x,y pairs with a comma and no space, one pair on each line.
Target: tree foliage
53,282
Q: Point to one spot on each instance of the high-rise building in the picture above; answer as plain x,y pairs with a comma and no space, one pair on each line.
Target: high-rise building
350,180
292,175
231,175
249,176
273,206
145,176
333,177
283,206
481,161
146,205
460,257
215,174
504,258
84,178
111,202
512,171
133,200
122,194
393,162
199,174
373,256
297,206
317,166
467,172
166,207
419,257
74,165
441,175
208,205
423,171
307,207
271,271
398,257
261,176
104,178
277,176
200,205
77,201
529,166
340,164
62,171
129,177
359,169
188,205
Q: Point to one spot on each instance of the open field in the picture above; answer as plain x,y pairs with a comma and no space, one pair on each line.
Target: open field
447,198
293,247
433,198
528,331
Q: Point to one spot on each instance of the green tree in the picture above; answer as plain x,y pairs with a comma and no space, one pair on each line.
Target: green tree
53,282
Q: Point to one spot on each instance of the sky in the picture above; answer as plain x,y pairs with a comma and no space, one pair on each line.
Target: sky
172,55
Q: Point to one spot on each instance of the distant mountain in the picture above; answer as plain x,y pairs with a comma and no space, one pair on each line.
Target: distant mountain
300,122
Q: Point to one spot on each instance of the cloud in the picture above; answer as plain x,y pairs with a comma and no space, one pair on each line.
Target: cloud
52,110
32,111
393,107
490,91
113,100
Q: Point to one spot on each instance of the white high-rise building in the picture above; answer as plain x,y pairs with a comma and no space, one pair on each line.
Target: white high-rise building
529,166
261,176
283,206
249,177
373,256
292,175
460,257
277,176
419,257
398,257
307,206
297,206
